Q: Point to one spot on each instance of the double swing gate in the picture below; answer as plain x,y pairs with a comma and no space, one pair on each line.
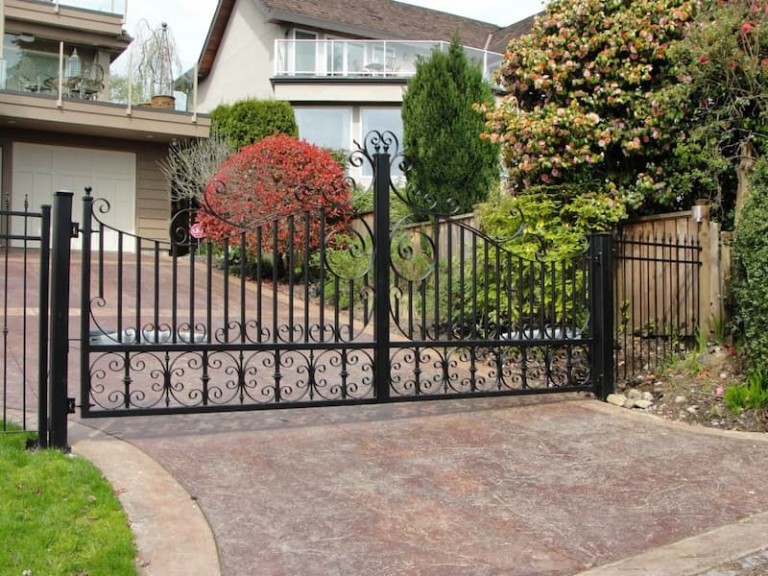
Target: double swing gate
247,311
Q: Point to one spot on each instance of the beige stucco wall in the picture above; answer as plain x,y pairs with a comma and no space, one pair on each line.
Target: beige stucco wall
358,92
244,65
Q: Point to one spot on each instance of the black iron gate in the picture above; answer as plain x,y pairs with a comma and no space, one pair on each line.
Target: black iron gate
34,292
316,309
24,241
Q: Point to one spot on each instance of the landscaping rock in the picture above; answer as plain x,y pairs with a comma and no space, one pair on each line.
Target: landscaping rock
616,399
643,404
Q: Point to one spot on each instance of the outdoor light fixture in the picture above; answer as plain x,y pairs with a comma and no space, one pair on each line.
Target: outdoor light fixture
699,212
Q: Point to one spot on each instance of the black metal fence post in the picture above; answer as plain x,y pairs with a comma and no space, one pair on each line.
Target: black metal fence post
59,361
86,230
381,257
601,312
43,323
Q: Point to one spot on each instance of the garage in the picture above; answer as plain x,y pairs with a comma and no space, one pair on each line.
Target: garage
39,170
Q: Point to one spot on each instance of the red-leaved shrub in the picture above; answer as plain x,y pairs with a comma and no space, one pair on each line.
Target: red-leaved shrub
278,185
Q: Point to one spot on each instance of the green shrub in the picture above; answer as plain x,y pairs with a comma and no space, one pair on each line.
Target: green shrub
535,277
251,120
750,259
345,268
753,395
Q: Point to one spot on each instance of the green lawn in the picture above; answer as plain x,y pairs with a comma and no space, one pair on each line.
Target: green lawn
59,516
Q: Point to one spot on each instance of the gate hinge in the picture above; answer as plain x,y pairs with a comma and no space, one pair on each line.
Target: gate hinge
70,405
75,231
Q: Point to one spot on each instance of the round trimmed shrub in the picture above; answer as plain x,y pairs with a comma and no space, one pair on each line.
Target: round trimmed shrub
277,186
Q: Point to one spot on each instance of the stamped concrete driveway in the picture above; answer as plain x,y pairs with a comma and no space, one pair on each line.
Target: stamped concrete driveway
518,487
474,487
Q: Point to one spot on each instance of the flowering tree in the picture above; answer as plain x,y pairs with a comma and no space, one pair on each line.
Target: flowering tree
722,66
584,112
278,181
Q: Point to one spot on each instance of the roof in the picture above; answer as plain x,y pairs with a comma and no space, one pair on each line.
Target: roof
504,35
375,19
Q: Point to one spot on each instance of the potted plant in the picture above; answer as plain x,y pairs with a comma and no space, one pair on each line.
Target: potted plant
158,63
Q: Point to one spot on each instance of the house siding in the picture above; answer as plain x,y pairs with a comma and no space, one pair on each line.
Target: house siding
244,64
153,195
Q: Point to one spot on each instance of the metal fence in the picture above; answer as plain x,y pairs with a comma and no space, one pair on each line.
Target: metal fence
357,315
656,299
24,299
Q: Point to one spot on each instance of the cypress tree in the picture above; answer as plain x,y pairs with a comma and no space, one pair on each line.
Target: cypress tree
441,131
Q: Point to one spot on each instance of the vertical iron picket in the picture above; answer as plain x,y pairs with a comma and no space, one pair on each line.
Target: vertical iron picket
86,231
42,346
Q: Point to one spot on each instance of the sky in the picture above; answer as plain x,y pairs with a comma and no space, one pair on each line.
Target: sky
189,20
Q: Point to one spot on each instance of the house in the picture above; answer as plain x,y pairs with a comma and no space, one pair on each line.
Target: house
58,127
343,64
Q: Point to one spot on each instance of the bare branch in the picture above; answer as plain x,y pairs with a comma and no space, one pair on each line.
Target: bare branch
190,168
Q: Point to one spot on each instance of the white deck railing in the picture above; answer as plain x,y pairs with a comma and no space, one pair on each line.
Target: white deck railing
365,58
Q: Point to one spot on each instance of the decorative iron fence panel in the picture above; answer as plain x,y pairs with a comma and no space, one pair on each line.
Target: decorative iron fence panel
24,299
314,309
656,299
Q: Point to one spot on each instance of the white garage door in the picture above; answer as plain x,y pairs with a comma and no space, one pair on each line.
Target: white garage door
39,170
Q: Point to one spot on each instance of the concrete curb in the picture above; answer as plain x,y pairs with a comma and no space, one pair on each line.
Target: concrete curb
694,555
172,535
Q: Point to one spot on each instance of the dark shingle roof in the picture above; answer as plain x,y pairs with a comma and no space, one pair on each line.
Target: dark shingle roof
375,19
387,19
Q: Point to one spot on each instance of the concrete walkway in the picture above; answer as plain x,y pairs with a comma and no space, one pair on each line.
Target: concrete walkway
485,486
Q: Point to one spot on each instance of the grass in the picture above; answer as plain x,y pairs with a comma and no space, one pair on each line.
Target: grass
59,516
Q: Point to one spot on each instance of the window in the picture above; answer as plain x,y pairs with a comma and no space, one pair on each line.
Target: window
328,127
382,119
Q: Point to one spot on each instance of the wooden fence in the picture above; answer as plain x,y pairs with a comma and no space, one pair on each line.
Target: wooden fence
696,292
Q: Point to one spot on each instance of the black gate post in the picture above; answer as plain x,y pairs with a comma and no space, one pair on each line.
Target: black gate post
381,256
43,323
601,313
86,231
62,234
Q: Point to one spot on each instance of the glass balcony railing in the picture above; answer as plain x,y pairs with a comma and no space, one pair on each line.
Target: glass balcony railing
106,6
77,72
365,58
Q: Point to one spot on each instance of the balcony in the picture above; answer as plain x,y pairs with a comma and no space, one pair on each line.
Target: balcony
105,6
50,85
365,59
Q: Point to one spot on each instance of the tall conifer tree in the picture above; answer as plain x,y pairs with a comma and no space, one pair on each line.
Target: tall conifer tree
450,162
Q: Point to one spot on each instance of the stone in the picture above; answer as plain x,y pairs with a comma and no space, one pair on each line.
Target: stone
634,394
629,403
647,396
643,404
692,409
680,399
616,399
